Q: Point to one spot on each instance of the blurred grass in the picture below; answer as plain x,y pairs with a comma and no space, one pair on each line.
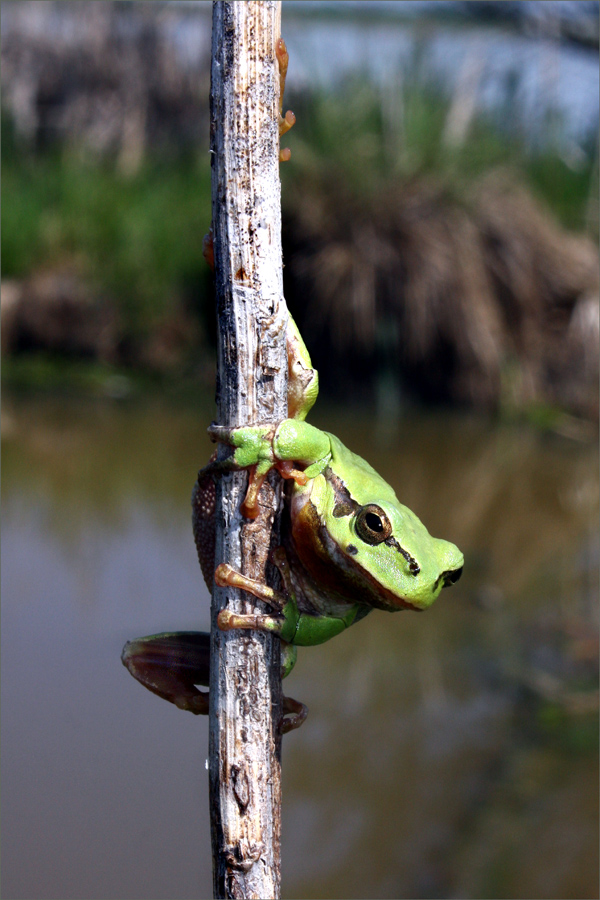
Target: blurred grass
139,238
370,139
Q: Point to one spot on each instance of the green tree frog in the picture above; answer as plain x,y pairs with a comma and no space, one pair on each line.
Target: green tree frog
348,547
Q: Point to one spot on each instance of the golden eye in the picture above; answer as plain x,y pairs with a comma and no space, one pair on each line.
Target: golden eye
372,525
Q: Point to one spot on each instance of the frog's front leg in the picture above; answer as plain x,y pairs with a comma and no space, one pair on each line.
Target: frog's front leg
260,448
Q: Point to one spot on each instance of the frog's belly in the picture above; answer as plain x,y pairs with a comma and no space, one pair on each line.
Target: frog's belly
322,584
311,597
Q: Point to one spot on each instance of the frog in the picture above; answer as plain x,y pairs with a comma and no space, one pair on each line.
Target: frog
348,547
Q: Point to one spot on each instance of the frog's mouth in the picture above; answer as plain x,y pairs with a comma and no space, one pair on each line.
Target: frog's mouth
379,596
448,578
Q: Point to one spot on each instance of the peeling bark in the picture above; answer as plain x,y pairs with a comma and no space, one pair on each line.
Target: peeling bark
245,682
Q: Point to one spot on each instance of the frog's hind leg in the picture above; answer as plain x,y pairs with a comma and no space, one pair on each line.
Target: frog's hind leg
170,665
294,712
284,625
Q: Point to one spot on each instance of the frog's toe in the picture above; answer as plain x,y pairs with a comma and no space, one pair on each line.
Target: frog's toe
283,57
294,714
286,122
196,702
219,433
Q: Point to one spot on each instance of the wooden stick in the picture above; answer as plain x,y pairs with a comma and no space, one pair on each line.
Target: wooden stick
245,682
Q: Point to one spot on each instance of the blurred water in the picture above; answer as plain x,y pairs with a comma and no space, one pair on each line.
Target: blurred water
449,754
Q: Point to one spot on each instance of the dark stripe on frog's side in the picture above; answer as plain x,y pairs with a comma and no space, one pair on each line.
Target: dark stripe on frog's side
346,505
335,572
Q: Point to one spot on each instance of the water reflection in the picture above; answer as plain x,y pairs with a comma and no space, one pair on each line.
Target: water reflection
436,745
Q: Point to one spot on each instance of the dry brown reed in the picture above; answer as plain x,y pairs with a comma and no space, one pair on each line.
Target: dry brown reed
483,300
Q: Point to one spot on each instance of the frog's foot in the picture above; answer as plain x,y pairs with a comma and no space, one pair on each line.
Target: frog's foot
286,469
253,444
285,625
297,714
226,576
229,621
256,478
294,712
170,664
253,451
287,121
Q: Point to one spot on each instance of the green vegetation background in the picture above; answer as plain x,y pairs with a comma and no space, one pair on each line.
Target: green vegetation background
139,238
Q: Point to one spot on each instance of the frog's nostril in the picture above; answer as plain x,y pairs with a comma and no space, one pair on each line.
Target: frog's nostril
451,577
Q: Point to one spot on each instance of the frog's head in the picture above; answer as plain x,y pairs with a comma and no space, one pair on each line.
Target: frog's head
378,554
396,552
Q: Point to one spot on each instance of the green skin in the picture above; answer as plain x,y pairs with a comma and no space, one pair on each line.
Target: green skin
349,546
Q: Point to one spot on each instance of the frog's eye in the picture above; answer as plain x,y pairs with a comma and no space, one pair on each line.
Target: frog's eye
372,525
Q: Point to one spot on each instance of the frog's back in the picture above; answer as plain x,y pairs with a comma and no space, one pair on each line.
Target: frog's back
364,483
